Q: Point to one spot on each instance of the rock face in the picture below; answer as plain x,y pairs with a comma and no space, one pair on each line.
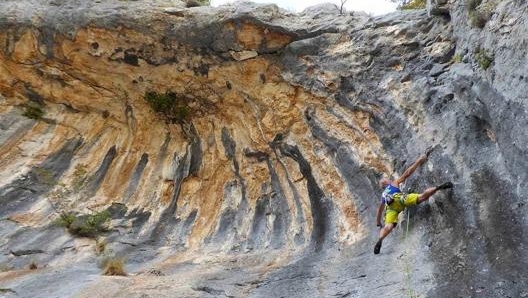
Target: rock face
261,181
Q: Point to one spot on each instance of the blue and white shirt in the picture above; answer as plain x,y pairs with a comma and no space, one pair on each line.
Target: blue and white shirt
388,193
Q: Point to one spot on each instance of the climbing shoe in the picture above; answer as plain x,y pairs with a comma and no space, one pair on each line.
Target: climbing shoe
445,185
377,247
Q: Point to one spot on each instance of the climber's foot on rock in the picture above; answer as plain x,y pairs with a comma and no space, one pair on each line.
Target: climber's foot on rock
377,247
445,185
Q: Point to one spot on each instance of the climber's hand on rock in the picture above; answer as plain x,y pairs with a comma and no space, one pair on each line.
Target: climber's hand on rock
428,152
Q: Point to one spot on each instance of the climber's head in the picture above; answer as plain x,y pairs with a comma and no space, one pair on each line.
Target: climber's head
384,182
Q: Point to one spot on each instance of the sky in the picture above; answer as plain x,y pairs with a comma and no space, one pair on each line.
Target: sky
375,7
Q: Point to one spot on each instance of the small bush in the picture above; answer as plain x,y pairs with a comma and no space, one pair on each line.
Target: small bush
483,58
473,4
100,246
414,4
33,112
66,219
79,177
114,266
33,266
170,105
86,225
479,13
44,176
196,3
61,190
476,19
457,58
159,102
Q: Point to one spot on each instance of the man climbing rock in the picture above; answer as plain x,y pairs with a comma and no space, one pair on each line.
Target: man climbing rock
394,201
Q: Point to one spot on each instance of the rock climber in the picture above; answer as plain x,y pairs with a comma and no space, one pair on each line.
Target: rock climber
394,201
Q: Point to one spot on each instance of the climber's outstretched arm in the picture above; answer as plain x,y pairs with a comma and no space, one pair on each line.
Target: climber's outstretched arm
378,215
412,168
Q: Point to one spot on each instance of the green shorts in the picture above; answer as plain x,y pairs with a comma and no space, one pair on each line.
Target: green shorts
400,202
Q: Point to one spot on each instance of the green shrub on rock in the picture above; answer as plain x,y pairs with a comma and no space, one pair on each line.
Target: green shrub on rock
169,104
483,58
196,3
192,3
66,219
160,102
114,266
414,4
33,112
457,58
79,177
480,12
86,225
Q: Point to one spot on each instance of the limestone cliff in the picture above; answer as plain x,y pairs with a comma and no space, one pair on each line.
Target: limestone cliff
261,181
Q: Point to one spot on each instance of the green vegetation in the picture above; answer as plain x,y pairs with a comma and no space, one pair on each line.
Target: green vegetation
196,3
483,58
4,290
413,4
457,58
473,4
79,180
479,13
85,225
79,177
33,112
60,192
5,268
410,4
113,266
65,219
45,176
170,105
160,103
475,17
100,246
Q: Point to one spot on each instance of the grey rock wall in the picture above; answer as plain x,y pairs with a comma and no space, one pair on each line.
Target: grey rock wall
427,78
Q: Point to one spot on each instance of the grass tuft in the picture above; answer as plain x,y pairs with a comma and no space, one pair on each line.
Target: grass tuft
33,112
114,266
85,225
457,58
44,176
483,58
170,105
413,4
196,3
100,246
480,12
79,177
33,266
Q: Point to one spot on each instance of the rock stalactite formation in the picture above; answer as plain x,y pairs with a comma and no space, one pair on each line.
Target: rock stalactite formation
235,151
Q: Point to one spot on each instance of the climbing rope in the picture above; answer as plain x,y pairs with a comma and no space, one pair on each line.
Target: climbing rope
407,261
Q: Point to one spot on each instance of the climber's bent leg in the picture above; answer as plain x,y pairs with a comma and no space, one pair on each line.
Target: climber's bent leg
430,191
383,233
426,194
